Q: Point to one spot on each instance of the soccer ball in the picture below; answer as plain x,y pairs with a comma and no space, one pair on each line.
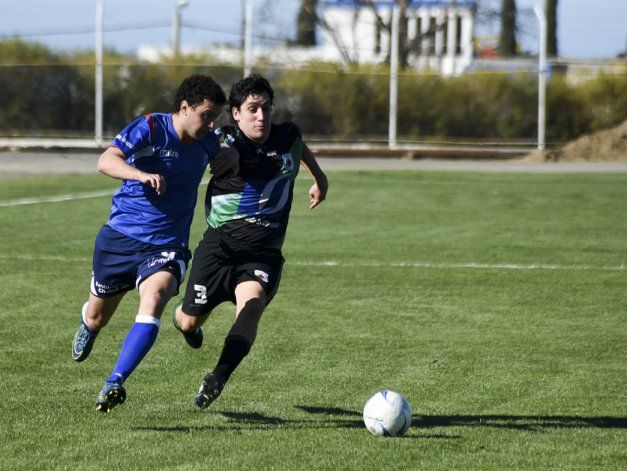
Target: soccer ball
387,414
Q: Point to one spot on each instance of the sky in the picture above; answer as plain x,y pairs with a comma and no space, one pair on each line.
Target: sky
587,29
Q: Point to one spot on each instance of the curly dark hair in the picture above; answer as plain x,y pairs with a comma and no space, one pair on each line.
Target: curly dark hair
197,88
252,85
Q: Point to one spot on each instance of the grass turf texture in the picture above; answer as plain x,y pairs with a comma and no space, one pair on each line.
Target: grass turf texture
517,367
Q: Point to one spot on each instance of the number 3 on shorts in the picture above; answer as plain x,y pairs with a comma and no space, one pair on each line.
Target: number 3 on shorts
201,294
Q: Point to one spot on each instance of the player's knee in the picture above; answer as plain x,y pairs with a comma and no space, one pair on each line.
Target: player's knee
154,300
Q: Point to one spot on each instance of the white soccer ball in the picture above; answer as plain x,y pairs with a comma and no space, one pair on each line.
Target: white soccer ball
387,414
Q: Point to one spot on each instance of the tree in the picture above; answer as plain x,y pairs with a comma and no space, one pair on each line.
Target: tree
507,38
551,20
306,23
40,89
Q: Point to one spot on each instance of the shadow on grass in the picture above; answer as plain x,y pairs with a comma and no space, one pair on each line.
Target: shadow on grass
257,421
519,422
333,417
522,422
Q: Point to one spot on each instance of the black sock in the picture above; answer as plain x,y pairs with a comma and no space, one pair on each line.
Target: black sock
235,349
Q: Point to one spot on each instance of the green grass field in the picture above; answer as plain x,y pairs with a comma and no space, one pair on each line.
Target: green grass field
495,303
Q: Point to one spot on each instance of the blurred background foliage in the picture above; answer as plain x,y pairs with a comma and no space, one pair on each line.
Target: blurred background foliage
44,93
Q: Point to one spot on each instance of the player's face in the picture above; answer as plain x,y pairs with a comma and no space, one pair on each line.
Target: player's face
254,117
199,119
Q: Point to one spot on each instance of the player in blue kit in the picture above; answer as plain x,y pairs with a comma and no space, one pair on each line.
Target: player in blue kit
161,159
239,258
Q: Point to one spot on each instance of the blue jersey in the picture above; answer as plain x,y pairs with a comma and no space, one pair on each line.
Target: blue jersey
152,145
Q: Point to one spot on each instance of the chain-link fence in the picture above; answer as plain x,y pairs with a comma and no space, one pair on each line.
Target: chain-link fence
45,94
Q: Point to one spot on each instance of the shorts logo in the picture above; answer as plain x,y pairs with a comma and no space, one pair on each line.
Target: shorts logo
165,258
201,294
105,289
262,275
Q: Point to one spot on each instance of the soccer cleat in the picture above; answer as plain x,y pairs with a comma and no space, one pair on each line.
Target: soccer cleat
193,337
210,388
112,394
83,343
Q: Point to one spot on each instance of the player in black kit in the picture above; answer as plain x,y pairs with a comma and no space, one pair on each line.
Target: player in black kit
239,258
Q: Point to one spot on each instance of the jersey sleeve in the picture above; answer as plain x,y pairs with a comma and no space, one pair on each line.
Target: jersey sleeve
134,138
211,143
292,132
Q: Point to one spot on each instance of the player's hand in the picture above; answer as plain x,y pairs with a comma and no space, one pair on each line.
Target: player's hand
155,181
226,161
318,193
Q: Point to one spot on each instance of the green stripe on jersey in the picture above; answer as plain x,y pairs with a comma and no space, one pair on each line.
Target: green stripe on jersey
223,209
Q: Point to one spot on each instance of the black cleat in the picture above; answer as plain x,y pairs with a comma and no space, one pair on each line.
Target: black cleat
193,337
210,388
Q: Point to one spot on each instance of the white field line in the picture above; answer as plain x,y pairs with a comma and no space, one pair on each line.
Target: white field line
504,266
56,199
60,198
444,266
484,266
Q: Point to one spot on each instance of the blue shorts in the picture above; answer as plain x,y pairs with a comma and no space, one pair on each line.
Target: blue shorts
122,263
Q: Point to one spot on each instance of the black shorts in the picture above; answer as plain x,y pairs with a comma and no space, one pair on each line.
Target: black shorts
220,263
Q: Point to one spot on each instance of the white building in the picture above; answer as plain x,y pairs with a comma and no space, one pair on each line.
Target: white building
441,32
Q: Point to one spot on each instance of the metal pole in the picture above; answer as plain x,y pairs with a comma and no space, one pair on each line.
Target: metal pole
176,27
248,38
539,11
393,77
98,81
176,32
242,6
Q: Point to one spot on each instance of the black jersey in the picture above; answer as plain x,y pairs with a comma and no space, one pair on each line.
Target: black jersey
254,205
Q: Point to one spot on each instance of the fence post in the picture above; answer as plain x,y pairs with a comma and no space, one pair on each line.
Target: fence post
248,38
393,77
98,81
541,77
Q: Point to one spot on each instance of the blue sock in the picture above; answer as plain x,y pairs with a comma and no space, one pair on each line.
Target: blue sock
137,343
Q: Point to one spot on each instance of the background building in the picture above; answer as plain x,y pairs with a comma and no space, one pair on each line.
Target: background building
438,34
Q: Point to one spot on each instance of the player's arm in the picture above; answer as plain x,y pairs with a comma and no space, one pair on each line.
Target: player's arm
318,191
225,161
112,163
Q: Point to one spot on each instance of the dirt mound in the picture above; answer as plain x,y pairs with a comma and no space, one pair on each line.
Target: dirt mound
604,146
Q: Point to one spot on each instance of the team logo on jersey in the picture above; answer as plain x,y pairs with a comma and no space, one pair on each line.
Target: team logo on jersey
124,141
288,161
168,153
262,275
